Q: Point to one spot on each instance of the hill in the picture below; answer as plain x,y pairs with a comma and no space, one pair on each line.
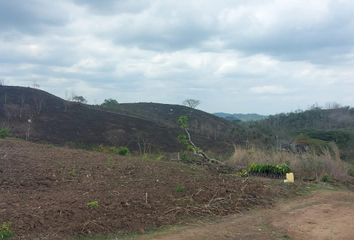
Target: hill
142,126
316,127
240,116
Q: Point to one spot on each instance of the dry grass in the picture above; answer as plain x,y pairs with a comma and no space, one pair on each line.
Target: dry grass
306,166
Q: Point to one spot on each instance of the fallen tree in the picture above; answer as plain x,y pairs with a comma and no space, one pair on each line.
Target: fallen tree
186,140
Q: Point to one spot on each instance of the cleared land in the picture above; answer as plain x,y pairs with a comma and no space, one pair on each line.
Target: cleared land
48,192
322,215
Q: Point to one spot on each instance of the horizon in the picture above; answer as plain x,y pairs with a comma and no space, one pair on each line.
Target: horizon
332,105
235,57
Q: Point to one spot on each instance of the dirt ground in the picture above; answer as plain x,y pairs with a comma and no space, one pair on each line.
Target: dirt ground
45,192
322,215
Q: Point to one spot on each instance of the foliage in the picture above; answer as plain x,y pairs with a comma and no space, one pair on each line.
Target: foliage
268,169
183,121
4,133
183,137
326,178
180,188
5,231
79,99
123,151
109,103
93,204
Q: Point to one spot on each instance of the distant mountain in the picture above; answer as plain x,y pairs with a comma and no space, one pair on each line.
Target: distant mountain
240,116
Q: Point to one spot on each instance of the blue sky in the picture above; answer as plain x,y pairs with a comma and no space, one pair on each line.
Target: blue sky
234,56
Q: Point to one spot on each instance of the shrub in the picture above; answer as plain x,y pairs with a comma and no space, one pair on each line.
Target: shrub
180,188
93,204
326,179
4,133
123,151
278,170
5,231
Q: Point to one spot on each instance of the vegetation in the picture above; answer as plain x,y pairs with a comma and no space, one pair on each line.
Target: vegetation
186,140
4,133
123,151
180,188
278,170
93,204
306,166
79,99
109,103
5,231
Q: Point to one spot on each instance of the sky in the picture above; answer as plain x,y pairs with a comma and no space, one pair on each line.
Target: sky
233,55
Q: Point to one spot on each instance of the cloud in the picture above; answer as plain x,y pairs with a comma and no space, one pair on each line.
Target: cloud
32,16
269,89
232,55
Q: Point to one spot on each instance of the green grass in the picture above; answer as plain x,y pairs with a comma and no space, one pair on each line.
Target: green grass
180,188
5,231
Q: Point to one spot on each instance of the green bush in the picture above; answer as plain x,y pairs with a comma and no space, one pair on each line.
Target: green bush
123,151
93,204
268,169
5,231
4,133
326,178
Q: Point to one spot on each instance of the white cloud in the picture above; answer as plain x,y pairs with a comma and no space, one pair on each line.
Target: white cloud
269,89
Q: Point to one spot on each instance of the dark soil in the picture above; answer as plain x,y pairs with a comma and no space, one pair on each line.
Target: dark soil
44,192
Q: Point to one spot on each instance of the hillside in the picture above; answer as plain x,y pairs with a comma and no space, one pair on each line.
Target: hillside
141,127
315,127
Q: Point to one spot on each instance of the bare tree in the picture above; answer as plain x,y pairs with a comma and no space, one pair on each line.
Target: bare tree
38,103
22,104
2,82
192,103
35,85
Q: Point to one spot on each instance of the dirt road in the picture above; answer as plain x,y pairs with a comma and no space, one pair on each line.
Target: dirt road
322,215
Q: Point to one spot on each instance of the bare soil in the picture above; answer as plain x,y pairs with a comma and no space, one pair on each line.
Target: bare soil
323,215
44,192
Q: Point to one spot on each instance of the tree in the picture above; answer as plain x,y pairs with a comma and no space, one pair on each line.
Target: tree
109,103
192,103
186,140
79,99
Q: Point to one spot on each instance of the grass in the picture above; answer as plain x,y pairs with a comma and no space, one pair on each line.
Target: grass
180,188
5,231
306,166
